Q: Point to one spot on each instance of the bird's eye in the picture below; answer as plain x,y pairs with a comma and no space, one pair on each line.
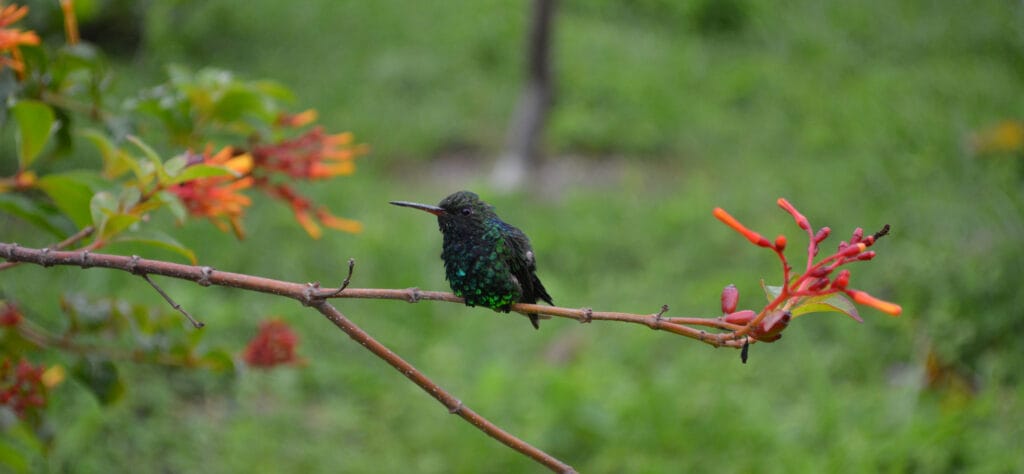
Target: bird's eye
467,211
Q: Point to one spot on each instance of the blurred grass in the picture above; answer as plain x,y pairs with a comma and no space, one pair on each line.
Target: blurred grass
859,114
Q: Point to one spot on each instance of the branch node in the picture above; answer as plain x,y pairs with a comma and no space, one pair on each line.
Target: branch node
86,260
587,316
455,410
47,258
664,309
195,323
348,279
204,276
414,295
133,268
309,294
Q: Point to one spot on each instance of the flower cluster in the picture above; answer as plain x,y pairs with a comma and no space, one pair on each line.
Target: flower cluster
274,345
218,198
9,315
21,387
313,155
11,38
821,286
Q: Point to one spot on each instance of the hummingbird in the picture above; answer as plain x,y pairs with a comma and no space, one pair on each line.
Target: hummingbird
487,261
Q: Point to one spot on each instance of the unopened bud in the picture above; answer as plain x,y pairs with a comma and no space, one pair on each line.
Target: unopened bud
841,280
730,298
822,234
866,255
772,326
740,317
853,249
858,235
818,284
780,243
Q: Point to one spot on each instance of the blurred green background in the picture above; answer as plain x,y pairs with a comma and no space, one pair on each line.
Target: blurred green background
861,114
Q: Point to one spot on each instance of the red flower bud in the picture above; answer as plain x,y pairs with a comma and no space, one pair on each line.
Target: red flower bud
858,235
740,317
780,243
772,326
841,280
822,234
818,285
866,255
753,237
730,297
801,221
853,249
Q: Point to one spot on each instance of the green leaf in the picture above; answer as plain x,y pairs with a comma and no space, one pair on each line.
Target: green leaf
35,125
218,360
174,165
771,292
117,223
238,102
201,171
44,217
101,378
18,447
71,193
102,205
116,161
154,158
174,205
836,302
160,240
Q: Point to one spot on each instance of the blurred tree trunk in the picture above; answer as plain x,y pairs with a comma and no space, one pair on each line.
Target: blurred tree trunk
522,147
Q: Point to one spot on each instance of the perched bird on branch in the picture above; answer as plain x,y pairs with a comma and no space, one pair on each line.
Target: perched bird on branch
487,261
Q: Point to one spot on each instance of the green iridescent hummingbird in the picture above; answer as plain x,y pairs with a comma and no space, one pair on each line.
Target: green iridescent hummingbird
487,261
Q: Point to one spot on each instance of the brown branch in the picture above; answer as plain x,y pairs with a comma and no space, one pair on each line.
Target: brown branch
77,236
309,295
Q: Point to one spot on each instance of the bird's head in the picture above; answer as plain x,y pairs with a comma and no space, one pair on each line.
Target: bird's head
459,210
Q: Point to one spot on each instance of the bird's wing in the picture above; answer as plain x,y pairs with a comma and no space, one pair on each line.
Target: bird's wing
523,265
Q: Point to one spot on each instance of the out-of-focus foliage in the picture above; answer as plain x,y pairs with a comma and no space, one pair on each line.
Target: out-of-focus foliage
864,114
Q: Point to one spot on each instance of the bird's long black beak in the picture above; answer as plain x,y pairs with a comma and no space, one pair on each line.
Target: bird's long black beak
437,211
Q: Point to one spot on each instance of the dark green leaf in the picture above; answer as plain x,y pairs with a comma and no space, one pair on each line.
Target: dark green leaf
71,193
101,378
35,124
41,216
218,360
116,161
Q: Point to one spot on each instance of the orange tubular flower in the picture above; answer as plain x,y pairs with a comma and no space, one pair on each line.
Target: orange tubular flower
313,155
11,38
218,198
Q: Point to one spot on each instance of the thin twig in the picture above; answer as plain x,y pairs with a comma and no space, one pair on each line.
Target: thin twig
195,323
344,284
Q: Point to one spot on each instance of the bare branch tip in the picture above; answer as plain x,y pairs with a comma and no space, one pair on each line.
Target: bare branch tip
177,307
345,283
